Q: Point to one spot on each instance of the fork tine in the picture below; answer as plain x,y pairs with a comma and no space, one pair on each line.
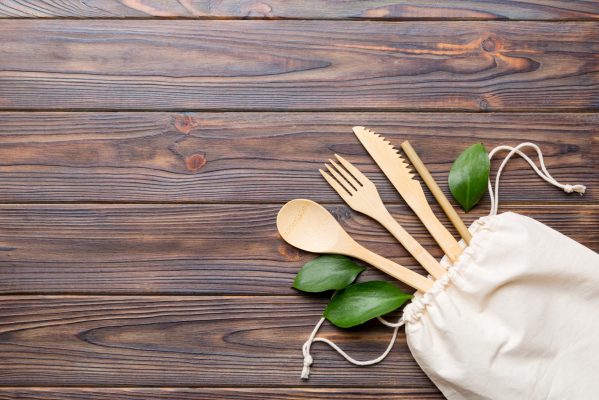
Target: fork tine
350,189
352,181
338,188
353,170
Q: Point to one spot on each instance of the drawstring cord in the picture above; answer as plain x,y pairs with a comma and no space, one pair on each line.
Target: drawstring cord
308,344
542,172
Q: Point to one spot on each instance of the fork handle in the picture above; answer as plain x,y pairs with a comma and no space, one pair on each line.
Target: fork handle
412,245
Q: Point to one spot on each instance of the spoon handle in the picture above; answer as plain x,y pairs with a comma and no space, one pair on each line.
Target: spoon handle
399,272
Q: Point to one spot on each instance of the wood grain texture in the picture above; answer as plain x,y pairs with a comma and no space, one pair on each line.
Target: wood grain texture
291,65
197,249
209,393
355,9
103,296
183,341
268,157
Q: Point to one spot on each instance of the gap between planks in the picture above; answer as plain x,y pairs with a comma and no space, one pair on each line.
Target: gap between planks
322,110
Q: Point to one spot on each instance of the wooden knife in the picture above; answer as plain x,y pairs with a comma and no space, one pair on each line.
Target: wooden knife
398,172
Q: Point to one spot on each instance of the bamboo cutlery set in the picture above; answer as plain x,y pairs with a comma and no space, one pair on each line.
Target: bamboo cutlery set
310,227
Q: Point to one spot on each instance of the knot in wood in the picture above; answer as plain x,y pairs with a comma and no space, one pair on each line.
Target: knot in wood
489,44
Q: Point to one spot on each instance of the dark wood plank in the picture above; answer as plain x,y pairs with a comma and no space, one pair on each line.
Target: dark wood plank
378,9
182,341
196,249
208,393
267,157
290,65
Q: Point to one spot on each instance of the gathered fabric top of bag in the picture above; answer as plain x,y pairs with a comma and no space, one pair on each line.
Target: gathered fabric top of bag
512,318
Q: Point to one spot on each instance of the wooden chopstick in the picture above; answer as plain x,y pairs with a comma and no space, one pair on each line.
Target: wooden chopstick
436,191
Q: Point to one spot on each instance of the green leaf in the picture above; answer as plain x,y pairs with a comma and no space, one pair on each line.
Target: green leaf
328,272
361,302
469,176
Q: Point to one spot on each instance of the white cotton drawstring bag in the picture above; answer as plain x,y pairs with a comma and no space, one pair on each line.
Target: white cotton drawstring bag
516,317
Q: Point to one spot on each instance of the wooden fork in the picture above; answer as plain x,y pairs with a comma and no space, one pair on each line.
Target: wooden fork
361,195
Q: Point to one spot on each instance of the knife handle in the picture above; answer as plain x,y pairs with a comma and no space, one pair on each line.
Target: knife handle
444,239
436,191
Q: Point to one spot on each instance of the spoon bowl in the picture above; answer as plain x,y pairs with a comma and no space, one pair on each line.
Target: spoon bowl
307,225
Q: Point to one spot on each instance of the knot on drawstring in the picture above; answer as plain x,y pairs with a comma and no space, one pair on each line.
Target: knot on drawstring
308,360
542,172
575,188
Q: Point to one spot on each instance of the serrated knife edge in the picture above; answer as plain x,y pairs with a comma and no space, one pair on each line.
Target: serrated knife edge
392,163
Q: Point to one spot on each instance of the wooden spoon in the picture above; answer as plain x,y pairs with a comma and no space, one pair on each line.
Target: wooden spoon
309,226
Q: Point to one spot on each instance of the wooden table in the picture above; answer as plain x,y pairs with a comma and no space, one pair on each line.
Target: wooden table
146,146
